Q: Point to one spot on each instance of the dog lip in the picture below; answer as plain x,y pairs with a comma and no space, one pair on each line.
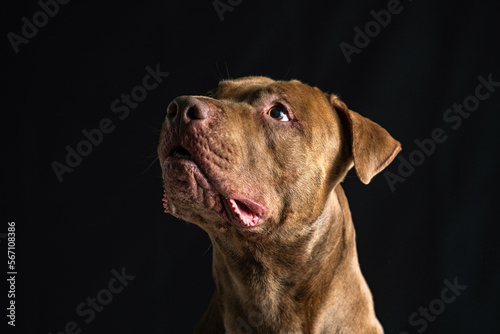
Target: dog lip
178,159
239,209
180,152
244,211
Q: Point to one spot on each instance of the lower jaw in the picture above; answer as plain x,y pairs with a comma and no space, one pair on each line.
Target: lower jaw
219,213
191,186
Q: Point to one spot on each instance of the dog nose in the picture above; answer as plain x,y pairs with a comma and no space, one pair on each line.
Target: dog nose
187,109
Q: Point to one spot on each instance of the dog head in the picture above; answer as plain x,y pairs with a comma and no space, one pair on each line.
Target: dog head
255,155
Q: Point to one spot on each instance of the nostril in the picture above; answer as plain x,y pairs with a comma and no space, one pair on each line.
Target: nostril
196,110
186,109
172,110
194,113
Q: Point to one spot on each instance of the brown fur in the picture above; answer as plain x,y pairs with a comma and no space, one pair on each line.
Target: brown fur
297,270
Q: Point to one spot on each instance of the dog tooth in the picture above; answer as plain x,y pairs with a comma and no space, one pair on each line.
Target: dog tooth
165,202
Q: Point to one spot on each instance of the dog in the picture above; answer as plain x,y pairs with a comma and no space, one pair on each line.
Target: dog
257,164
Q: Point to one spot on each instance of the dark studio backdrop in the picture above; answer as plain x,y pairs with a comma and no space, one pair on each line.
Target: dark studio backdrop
94,252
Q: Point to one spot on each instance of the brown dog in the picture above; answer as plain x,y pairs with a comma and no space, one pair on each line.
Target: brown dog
257,164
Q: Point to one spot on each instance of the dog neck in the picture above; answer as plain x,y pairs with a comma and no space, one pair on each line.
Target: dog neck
286,286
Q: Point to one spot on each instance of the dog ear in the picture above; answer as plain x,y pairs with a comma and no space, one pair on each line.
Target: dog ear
372,146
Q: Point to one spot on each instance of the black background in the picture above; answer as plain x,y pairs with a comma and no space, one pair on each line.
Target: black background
439,224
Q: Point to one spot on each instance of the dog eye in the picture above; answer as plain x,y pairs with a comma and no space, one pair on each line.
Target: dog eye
278,113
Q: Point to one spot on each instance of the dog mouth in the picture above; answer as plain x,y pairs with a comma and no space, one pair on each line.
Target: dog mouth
182,153
233,207
245,211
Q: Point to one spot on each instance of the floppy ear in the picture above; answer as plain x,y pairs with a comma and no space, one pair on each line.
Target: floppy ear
372,146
